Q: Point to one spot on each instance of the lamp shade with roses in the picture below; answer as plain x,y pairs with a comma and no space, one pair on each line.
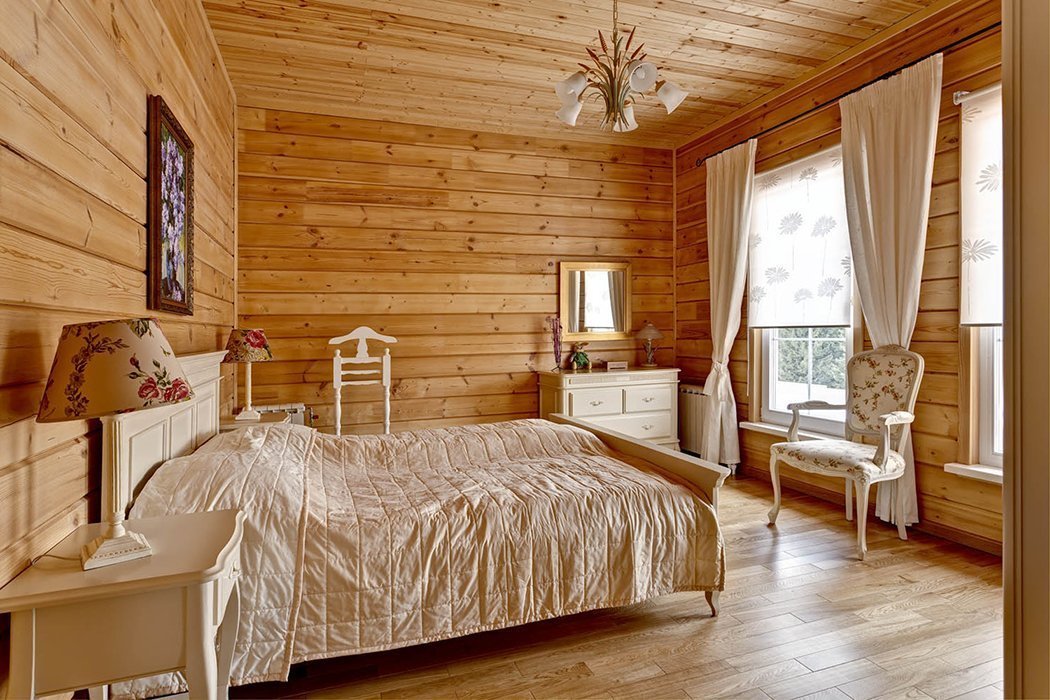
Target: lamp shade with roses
107,367
100,369
248,345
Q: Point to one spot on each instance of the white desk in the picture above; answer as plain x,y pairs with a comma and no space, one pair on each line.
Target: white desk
74,629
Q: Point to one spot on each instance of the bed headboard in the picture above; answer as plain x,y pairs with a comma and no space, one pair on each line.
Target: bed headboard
139,442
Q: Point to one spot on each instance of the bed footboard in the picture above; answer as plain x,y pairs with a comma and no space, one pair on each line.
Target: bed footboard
706,477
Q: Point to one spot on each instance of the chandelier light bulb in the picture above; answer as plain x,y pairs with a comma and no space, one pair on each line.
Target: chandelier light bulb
569,112
671,95
569,90
643,75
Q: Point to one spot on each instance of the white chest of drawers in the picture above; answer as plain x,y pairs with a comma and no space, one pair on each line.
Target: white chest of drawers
642,403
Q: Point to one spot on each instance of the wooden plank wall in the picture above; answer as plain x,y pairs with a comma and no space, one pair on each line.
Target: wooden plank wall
448,240
956,507
74,76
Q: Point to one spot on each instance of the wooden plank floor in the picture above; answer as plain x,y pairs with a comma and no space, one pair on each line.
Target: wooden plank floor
801,617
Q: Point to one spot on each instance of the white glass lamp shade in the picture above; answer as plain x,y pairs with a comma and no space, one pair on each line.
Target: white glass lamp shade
643,76
627,123
570,89
569,113
107,367
671,95
649,332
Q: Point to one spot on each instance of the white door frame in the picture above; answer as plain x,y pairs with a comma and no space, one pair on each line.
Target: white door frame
1026,493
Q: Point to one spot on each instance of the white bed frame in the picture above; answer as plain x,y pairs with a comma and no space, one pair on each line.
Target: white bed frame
139,442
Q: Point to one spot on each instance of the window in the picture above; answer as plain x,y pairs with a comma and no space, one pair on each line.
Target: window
990,396
981,283
805,364
800,290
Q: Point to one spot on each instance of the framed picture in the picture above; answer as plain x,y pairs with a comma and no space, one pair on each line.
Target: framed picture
169,211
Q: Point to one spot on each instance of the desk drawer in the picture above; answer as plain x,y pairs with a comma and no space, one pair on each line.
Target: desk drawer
644,399
649,426
595,402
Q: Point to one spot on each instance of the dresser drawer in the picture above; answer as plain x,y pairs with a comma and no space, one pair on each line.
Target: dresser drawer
595,402
649,426
643,399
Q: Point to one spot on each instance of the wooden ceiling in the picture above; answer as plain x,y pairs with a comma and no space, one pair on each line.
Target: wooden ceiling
491,65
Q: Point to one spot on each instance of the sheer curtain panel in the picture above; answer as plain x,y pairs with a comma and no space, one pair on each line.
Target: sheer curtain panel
730,180
889,132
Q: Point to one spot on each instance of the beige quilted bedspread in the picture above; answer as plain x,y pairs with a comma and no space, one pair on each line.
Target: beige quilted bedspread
357,544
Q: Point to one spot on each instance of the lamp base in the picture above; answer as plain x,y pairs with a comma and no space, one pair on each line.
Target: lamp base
249,414
103,551
650,365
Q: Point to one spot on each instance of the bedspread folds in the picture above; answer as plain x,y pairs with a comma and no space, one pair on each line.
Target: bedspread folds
358,544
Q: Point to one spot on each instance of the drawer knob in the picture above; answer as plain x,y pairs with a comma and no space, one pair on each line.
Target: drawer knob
647,427
597,403
648,399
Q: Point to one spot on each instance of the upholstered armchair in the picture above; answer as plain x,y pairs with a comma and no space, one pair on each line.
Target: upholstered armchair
882,387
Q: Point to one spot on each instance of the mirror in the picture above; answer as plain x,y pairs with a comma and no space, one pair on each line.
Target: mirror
595,300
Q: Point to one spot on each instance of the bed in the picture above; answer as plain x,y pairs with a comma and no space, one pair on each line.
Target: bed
359,544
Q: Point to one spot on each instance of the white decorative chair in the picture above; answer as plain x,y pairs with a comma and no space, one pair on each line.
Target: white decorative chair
362,334
883,386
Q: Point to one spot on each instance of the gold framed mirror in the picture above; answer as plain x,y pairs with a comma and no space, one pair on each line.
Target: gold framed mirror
594,300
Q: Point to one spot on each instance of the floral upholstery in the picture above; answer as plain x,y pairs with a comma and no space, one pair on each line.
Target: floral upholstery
880,381
837,457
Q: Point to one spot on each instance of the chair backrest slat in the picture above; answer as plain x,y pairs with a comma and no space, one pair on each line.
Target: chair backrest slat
362,334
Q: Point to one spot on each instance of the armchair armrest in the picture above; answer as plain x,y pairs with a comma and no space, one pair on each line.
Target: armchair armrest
807,406
889,420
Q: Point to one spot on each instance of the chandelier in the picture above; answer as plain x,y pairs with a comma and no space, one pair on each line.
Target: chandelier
618,76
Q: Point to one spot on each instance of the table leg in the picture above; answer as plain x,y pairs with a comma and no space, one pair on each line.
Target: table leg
22,683
227,640
201,672
100,692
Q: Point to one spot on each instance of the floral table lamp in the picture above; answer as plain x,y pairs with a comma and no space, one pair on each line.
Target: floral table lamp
101,369
247,345
647,335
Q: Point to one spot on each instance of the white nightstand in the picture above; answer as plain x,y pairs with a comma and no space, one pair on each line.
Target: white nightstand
74,629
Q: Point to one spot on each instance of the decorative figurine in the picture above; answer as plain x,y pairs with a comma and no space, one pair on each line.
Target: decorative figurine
578,358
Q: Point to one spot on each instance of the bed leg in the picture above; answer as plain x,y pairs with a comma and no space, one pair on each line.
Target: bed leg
712,601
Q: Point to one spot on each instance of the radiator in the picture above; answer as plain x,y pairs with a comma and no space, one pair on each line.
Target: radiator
690,417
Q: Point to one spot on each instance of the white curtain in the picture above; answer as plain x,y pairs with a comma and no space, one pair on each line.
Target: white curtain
730,181
889,131
799,258
618,299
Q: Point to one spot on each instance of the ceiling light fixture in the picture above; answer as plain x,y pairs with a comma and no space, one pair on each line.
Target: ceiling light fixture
618,76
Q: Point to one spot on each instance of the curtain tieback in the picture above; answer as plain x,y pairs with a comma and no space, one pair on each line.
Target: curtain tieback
722,379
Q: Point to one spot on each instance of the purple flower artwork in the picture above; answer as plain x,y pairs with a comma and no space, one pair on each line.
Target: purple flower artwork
170,215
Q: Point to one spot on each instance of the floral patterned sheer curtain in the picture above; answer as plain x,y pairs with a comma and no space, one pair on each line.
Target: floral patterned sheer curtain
981,189
800,271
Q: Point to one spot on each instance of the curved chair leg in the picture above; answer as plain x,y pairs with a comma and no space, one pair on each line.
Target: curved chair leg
712,601
775,478
849,499
862,518
902,531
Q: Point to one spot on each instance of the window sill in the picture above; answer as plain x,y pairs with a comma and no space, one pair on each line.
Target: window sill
981,472
782,431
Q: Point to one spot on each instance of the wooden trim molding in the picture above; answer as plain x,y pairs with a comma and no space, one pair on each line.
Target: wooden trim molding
1026,479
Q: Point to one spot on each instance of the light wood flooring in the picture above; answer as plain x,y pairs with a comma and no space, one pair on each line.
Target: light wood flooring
801,617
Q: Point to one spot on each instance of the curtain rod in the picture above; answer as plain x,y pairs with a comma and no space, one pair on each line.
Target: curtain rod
822,105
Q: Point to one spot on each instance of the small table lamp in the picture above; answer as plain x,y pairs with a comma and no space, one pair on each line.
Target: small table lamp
247,345
648,334
101,369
